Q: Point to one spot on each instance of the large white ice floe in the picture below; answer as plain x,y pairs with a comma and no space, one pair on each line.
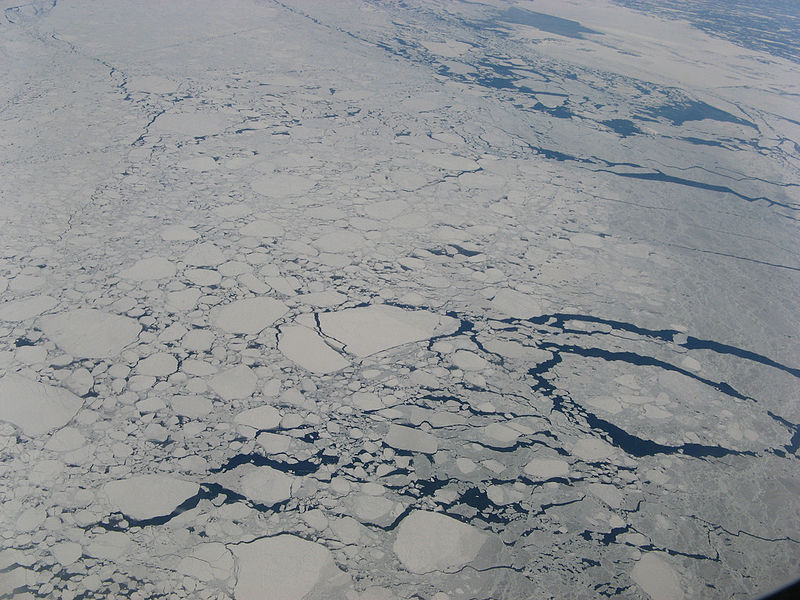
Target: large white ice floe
90,333
516,304
35,408
306,348
266,485
25,308
148,496
249,315
428,541
410,439
155,267
235,383
286,567
654,575
369,329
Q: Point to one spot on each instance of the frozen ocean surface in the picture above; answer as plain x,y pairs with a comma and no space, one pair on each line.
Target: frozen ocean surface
371,300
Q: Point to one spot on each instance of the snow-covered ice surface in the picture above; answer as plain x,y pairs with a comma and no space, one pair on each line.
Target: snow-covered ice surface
371,300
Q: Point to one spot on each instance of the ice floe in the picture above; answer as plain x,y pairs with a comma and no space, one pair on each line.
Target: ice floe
35,408
91,333
145,497
370,329
428,541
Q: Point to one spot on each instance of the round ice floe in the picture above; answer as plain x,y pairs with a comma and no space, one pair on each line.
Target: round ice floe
285,567
90,333
516,304
204,254
155,267
547,468
234,384
160,364
250,315
428,541
148,496
36,408
25,308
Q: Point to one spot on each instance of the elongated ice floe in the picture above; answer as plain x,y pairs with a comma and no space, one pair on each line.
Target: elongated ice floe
25,308
306,348
148,496
369,329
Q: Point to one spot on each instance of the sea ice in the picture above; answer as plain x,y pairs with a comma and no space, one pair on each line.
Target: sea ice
90,333
250,315
547,468
657,578
36,408
204,254
266,485
259,418
147,496
515,304
428,541
286,567
413,440
370,329
306,348
25,308
234,384
155,267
